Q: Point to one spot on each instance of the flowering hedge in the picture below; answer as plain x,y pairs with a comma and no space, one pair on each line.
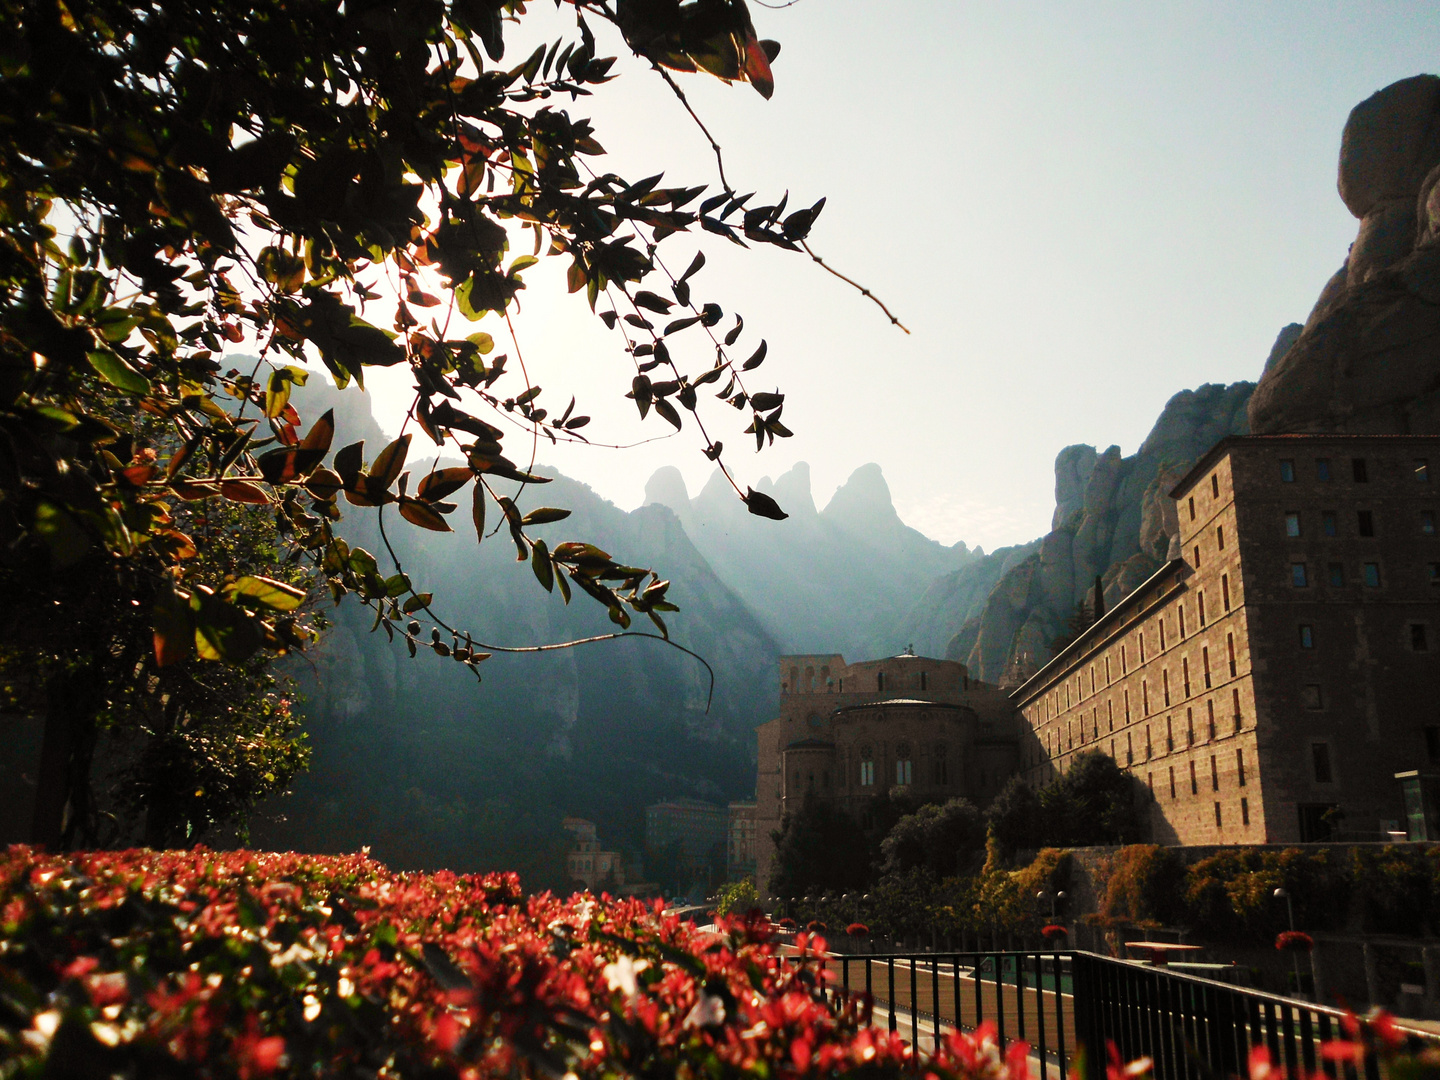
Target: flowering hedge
245,965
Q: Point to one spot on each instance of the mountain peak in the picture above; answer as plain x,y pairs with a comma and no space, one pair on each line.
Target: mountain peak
791,490
667,487
863,502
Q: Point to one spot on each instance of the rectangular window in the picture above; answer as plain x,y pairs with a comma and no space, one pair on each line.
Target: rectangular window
1287,471
1220,537
1297,575
1127,705
1230,652
1197,557
1214,774
1169,735
1181,610
1235,702
1110,712
1218,823
1307,637
1149,749
1172,781
1419,639
1365,522
1214,485
1194,780
1225,591
1244,811
1359,470
1185,674
1312,696
1240,767
1427,522
1337,575
1142,646
1124,663
1370,574
1292,523
1189,727
1129,750
1201,598
1320,762
1162,633
1165,686
1192,507
1107,670
1205,664
1422,470
1328,524
1322,469
1210,718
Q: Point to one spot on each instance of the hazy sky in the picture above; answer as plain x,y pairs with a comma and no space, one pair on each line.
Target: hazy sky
1077,209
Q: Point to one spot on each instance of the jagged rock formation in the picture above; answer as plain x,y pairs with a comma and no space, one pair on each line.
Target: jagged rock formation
1110,520
832,580
1368,359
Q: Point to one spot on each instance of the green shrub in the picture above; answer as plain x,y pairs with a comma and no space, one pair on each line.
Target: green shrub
1232,893
737,897
1396,888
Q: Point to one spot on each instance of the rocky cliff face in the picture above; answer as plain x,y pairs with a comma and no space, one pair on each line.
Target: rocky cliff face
832,580
1113,518
1368,358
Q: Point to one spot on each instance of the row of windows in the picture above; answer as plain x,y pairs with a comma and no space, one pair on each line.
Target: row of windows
1364,523
1417,633
1336,577
1053,743
1359,470
1214,775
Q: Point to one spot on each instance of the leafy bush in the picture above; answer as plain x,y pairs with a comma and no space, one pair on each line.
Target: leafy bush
1232,893
1397,888
1144,886
1093,802
737,897
241,964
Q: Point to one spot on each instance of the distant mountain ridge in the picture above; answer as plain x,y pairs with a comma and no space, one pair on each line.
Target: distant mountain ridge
833,580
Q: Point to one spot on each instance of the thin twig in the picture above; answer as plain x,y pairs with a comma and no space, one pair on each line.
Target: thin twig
719,157
854,284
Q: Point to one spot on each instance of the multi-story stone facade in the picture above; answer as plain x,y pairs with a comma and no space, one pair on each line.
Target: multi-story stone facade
585,861
851,733
740,846
1276,676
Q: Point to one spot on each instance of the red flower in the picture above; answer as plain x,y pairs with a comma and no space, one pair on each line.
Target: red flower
1054,932
256,1054
858,929
1294,941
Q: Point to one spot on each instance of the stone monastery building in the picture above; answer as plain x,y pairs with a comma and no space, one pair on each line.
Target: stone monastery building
851,732
1276,681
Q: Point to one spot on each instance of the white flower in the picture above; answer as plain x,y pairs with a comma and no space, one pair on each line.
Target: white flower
708,1011
621,975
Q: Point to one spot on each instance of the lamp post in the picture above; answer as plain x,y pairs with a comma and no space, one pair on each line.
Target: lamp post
1284,894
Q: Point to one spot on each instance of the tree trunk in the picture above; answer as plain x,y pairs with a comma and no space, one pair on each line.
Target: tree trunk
62,798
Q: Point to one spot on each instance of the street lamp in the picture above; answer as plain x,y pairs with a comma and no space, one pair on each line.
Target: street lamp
1284,894
1054,899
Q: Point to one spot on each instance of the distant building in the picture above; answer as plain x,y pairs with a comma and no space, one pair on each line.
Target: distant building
586,862
701,828
1277,679
740,848
851,733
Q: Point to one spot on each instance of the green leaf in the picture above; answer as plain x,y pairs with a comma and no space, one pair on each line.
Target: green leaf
544,515
416,602
118,373
388,464
540,563
62,534
268,592
477,511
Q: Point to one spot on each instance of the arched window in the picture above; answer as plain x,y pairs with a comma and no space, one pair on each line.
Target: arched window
794,679
810,678
904,772
923,681
867,767
942,766
880,682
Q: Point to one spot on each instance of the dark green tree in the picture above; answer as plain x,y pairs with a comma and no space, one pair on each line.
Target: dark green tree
1016,817
1093,802
945,839
818,848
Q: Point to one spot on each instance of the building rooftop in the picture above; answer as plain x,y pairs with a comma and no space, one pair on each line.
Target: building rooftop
1219,450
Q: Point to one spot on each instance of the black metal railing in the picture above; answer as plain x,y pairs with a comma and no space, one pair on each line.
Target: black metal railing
1059,1001
1026,995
